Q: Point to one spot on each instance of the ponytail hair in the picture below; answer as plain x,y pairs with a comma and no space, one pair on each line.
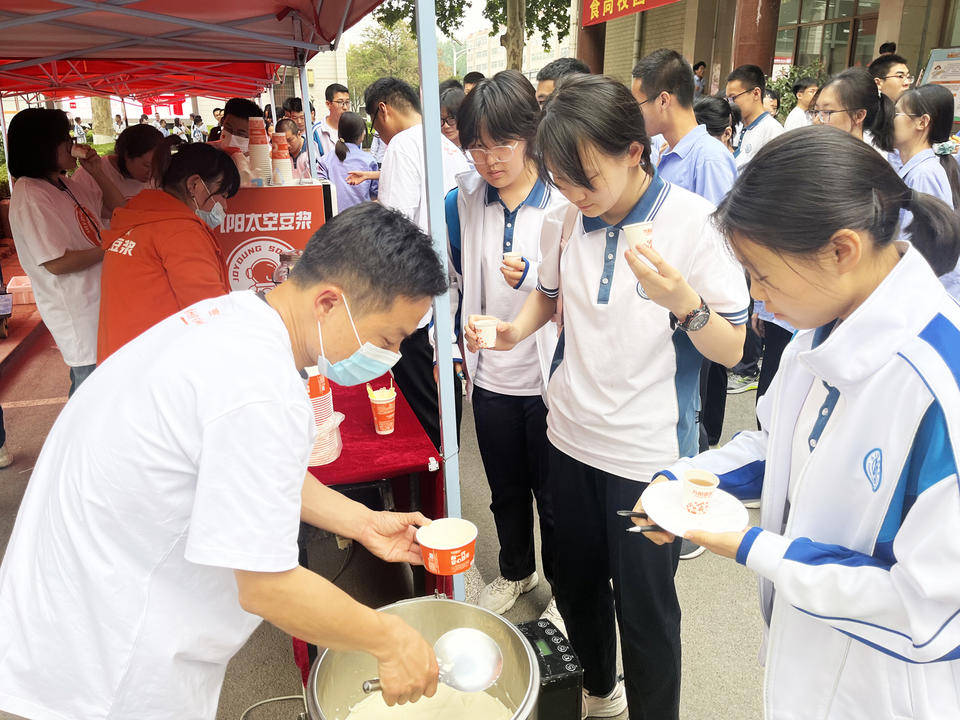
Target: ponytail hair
936,102
856,90
716,113
175,160
350,129
851,186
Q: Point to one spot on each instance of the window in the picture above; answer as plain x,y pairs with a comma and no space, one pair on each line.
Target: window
839,33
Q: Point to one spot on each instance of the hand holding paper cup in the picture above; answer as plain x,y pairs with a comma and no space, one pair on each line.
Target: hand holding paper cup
383,403
698,488
486,328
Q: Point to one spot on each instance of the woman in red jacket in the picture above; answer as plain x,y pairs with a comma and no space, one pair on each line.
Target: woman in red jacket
160,255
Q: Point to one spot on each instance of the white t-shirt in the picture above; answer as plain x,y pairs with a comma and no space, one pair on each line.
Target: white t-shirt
624,395
797,118
403,180
128,187
754,136
46,222
181,459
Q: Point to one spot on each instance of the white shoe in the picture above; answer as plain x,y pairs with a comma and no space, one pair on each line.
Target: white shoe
500,595
6,459
604,707
552,614
752,504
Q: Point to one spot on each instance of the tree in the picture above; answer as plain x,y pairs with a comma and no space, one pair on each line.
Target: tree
102,120
521,18
382,52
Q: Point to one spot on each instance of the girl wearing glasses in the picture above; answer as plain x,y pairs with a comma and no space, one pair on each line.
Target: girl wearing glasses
857,546
495,218
623,392
450,102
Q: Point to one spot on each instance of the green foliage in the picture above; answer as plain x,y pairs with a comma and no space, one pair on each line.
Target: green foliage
4,185
784,85
383,51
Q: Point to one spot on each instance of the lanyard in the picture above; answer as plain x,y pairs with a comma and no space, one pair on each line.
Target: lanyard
96,225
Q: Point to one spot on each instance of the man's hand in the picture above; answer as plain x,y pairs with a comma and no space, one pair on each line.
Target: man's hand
512,270
508,335
393,536
457,369
355,177
665,285
724,544
660,538
407,665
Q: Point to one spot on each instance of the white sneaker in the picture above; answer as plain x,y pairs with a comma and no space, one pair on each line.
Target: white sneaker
751,504
6,459
604,707
552,614
500,595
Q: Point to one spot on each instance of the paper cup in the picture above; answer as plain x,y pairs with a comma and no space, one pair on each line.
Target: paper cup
79,151
639,234
486,330
448,545
698,487
384,410
512,256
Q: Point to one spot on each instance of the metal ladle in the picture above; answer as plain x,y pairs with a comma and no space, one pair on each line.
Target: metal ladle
469,660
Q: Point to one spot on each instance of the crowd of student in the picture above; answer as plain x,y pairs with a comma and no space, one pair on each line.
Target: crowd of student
610,368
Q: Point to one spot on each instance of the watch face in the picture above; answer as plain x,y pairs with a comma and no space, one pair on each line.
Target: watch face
701,318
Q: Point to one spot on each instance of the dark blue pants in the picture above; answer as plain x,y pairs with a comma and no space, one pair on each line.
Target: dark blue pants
512,435
592,548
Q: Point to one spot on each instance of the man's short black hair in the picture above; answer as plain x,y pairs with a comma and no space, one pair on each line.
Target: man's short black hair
375,254
561,67
473,77
880,67
391,91
698,65
450,84
33,139
333,89
771,93
803,83
665,70
750,76
218,109
144,117
242,108
888,47
284,124
295,104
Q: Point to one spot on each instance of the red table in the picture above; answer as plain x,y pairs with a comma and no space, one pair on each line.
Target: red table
369,457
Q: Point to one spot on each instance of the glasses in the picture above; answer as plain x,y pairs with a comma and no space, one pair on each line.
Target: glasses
344,104
450,121
823,116
498,153
900,76
373,115
732,98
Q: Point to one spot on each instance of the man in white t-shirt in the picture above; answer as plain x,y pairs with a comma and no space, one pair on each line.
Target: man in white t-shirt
160,523
326,130
394,110
745,88
804,90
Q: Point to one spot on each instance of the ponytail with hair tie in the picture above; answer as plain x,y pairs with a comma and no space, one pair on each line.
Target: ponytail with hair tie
341,149
948,147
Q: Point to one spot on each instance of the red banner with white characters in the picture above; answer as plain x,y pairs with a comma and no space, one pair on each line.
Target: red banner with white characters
598,11
260,224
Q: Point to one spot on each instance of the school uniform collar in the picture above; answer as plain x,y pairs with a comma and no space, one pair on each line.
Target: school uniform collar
757,120
538,196
918,159
646,208
687,142
849,352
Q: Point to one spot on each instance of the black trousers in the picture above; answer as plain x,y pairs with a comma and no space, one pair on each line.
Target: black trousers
752,350
713,402
775,339
592,548
414,375
512,435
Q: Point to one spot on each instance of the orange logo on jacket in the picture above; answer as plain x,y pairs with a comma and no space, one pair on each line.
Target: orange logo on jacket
87,227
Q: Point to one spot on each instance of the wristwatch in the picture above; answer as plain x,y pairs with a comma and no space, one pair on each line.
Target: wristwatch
693,321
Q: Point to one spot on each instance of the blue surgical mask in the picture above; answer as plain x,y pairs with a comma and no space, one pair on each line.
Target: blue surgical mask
368,363
213,217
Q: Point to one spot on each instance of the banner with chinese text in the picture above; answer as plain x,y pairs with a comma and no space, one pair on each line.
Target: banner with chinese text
260,224
598,11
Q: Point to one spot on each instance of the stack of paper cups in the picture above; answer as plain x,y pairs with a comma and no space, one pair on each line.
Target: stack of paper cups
260,151
282,164
327,446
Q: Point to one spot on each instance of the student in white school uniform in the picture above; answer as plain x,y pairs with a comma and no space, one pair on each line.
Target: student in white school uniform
56,229
623,390
804,91
504,209
857,548
394,110
745,87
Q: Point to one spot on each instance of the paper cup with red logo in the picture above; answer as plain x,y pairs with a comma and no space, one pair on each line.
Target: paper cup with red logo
383,403
448,545
698,487
486,326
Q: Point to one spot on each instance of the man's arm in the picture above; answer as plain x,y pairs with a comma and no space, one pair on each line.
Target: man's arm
334,512
74,261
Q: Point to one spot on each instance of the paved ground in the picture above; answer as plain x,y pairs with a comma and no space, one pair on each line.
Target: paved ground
721,623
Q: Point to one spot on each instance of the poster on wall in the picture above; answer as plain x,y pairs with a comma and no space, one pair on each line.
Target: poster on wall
262,223
943,68
594,12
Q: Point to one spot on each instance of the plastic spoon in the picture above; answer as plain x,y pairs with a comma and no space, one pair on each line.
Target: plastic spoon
469,660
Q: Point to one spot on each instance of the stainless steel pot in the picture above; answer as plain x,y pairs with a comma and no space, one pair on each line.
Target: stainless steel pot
334,684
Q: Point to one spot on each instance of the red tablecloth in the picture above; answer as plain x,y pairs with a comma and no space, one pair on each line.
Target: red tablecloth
367,457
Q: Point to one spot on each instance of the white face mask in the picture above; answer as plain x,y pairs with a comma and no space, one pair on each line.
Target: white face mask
367,363
241,143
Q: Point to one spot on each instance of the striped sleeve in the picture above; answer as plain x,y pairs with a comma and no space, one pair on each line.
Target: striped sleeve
551,234
903,599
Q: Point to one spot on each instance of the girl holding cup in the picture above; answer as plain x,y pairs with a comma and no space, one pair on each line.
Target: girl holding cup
495,218
857,548
623,392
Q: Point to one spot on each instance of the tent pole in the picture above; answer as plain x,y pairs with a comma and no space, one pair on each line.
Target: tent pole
307,116
442,322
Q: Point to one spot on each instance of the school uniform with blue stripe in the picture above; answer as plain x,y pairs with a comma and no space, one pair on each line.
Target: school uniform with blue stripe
858,547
